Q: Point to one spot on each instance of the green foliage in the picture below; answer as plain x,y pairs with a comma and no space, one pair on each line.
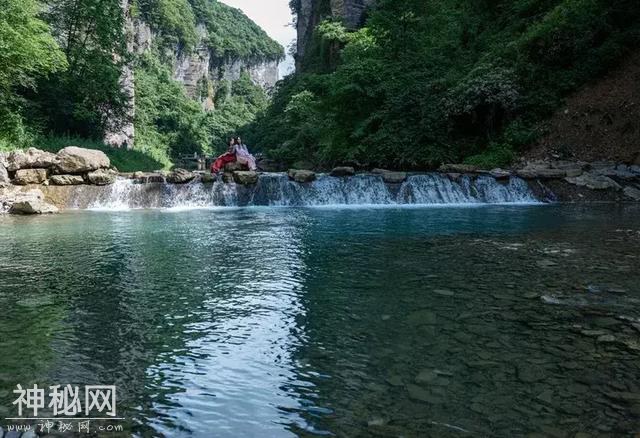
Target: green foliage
124,160
27,52
174,18
496,155
431,81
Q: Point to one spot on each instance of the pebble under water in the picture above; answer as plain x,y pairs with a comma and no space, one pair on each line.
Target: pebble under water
494,321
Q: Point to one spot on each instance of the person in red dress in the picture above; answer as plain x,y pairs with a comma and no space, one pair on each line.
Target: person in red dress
226,158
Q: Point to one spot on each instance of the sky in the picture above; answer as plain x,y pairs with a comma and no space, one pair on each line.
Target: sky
274,16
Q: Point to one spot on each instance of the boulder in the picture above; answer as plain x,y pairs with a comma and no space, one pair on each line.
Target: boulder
24,177
302,176
394,177
245,177
31,202
541,173
632,192
343,171
74,160
227,178
207,178
180,176
102,177
4,176
500,173
30,159
377,171
66,180
594,181
235,166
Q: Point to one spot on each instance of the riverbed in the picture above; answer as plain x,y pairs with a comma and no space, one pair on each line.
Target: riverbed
471,321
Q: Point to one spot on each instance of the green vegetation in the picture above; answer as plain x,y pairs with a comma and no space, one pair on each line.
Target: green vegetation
426,82
61,65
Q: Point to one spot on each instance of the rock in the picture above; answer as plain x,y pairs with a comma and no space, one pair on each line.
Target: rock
149,177
541,170
245,177
66,180
31,202
606,338
102,177
420,394
594,181
180,176
24,177
235,166
343,171
629,192
267,165
379,171
302,176
73,160
207,178
458,168
500,173
227,178
30,159
394,177
4,176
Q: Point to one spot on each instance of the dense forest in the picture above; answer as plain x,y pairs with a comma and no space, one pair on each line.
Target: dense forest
418,84
426,82
61,72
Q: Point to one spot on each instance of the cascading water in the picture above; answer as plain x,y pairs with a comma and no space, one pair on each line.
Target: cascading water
277,190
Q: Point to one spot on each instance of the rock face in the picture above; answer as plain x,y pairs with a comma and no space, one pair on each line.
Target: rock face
74,160
245,177
30,176
180,176
302,176
30,159
310,13
101,177
31,202
66,180
343,171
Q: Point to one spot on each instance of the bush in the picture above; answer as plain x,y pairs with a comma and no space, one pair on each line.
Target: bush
496,155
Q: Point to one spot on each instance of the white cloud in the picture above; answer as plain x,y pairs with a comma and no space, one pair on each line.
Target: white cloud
274,16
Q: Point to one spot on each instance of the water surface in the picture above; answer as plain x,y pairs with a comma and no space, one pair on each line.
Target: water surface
482,321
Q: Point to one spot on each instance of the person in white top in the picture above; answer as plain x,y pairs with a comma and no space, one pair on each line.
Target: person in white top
243,156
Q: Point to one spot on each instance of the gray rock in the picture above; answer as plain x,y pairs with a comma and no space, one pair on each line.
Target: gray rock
24,177
180,176
245,177
30,159
541,173
102,177
235,166
31,202
500,173
594,181
75,160
66,180
394,177
207,178
629,192
302,176
4,176
343,171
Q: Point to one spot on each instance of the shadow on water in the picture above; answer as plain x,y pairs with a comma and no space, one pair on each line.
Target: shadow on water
488,321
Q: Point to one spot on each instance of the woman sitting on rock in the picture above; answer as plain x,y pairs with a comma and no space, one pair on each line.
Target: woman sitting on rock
243,156
226,158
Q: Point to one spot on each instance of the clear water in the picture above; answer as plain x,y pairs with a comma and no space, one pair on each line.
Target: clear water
484,321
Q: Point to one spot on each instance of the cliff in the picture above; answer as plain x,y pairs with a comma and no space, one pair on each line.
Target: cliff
309,13
216,44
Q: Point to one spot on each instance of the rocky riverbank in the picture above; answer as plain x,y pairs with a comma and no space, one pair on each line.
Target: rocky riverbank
39,182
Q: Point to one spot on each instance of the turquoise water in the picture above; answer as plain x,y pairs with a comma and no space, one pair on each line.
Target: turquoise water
484,321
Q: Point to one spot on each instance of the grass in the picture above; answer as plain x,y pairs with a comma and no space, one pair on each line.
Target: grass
123,159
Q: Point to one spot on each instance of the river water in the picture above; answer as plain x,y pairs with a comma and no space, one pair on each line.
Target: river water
493,321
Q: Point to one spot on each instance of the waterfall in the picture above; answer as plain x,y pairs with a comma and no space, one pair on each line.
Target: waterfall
276,189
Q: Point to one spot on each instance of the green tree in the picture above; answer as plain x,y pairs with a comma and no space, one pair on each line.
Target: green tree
27,52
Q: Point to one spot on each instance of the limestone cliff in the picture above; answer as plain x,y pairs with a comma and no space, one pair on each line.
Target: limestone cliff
309,13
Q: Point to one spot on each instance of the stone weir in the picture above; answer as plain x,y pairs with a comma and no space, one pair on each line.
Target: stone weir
39,182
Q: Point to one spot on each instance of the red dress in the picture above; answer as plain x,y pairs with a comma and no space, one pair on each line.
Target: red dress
223,160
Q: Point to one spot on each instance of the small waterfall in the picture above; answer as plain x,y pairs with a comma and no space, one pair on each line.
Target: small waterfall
277,190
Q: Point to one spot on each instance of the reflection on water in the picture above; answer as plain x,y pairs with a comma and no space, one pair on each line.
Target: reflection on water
496,321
